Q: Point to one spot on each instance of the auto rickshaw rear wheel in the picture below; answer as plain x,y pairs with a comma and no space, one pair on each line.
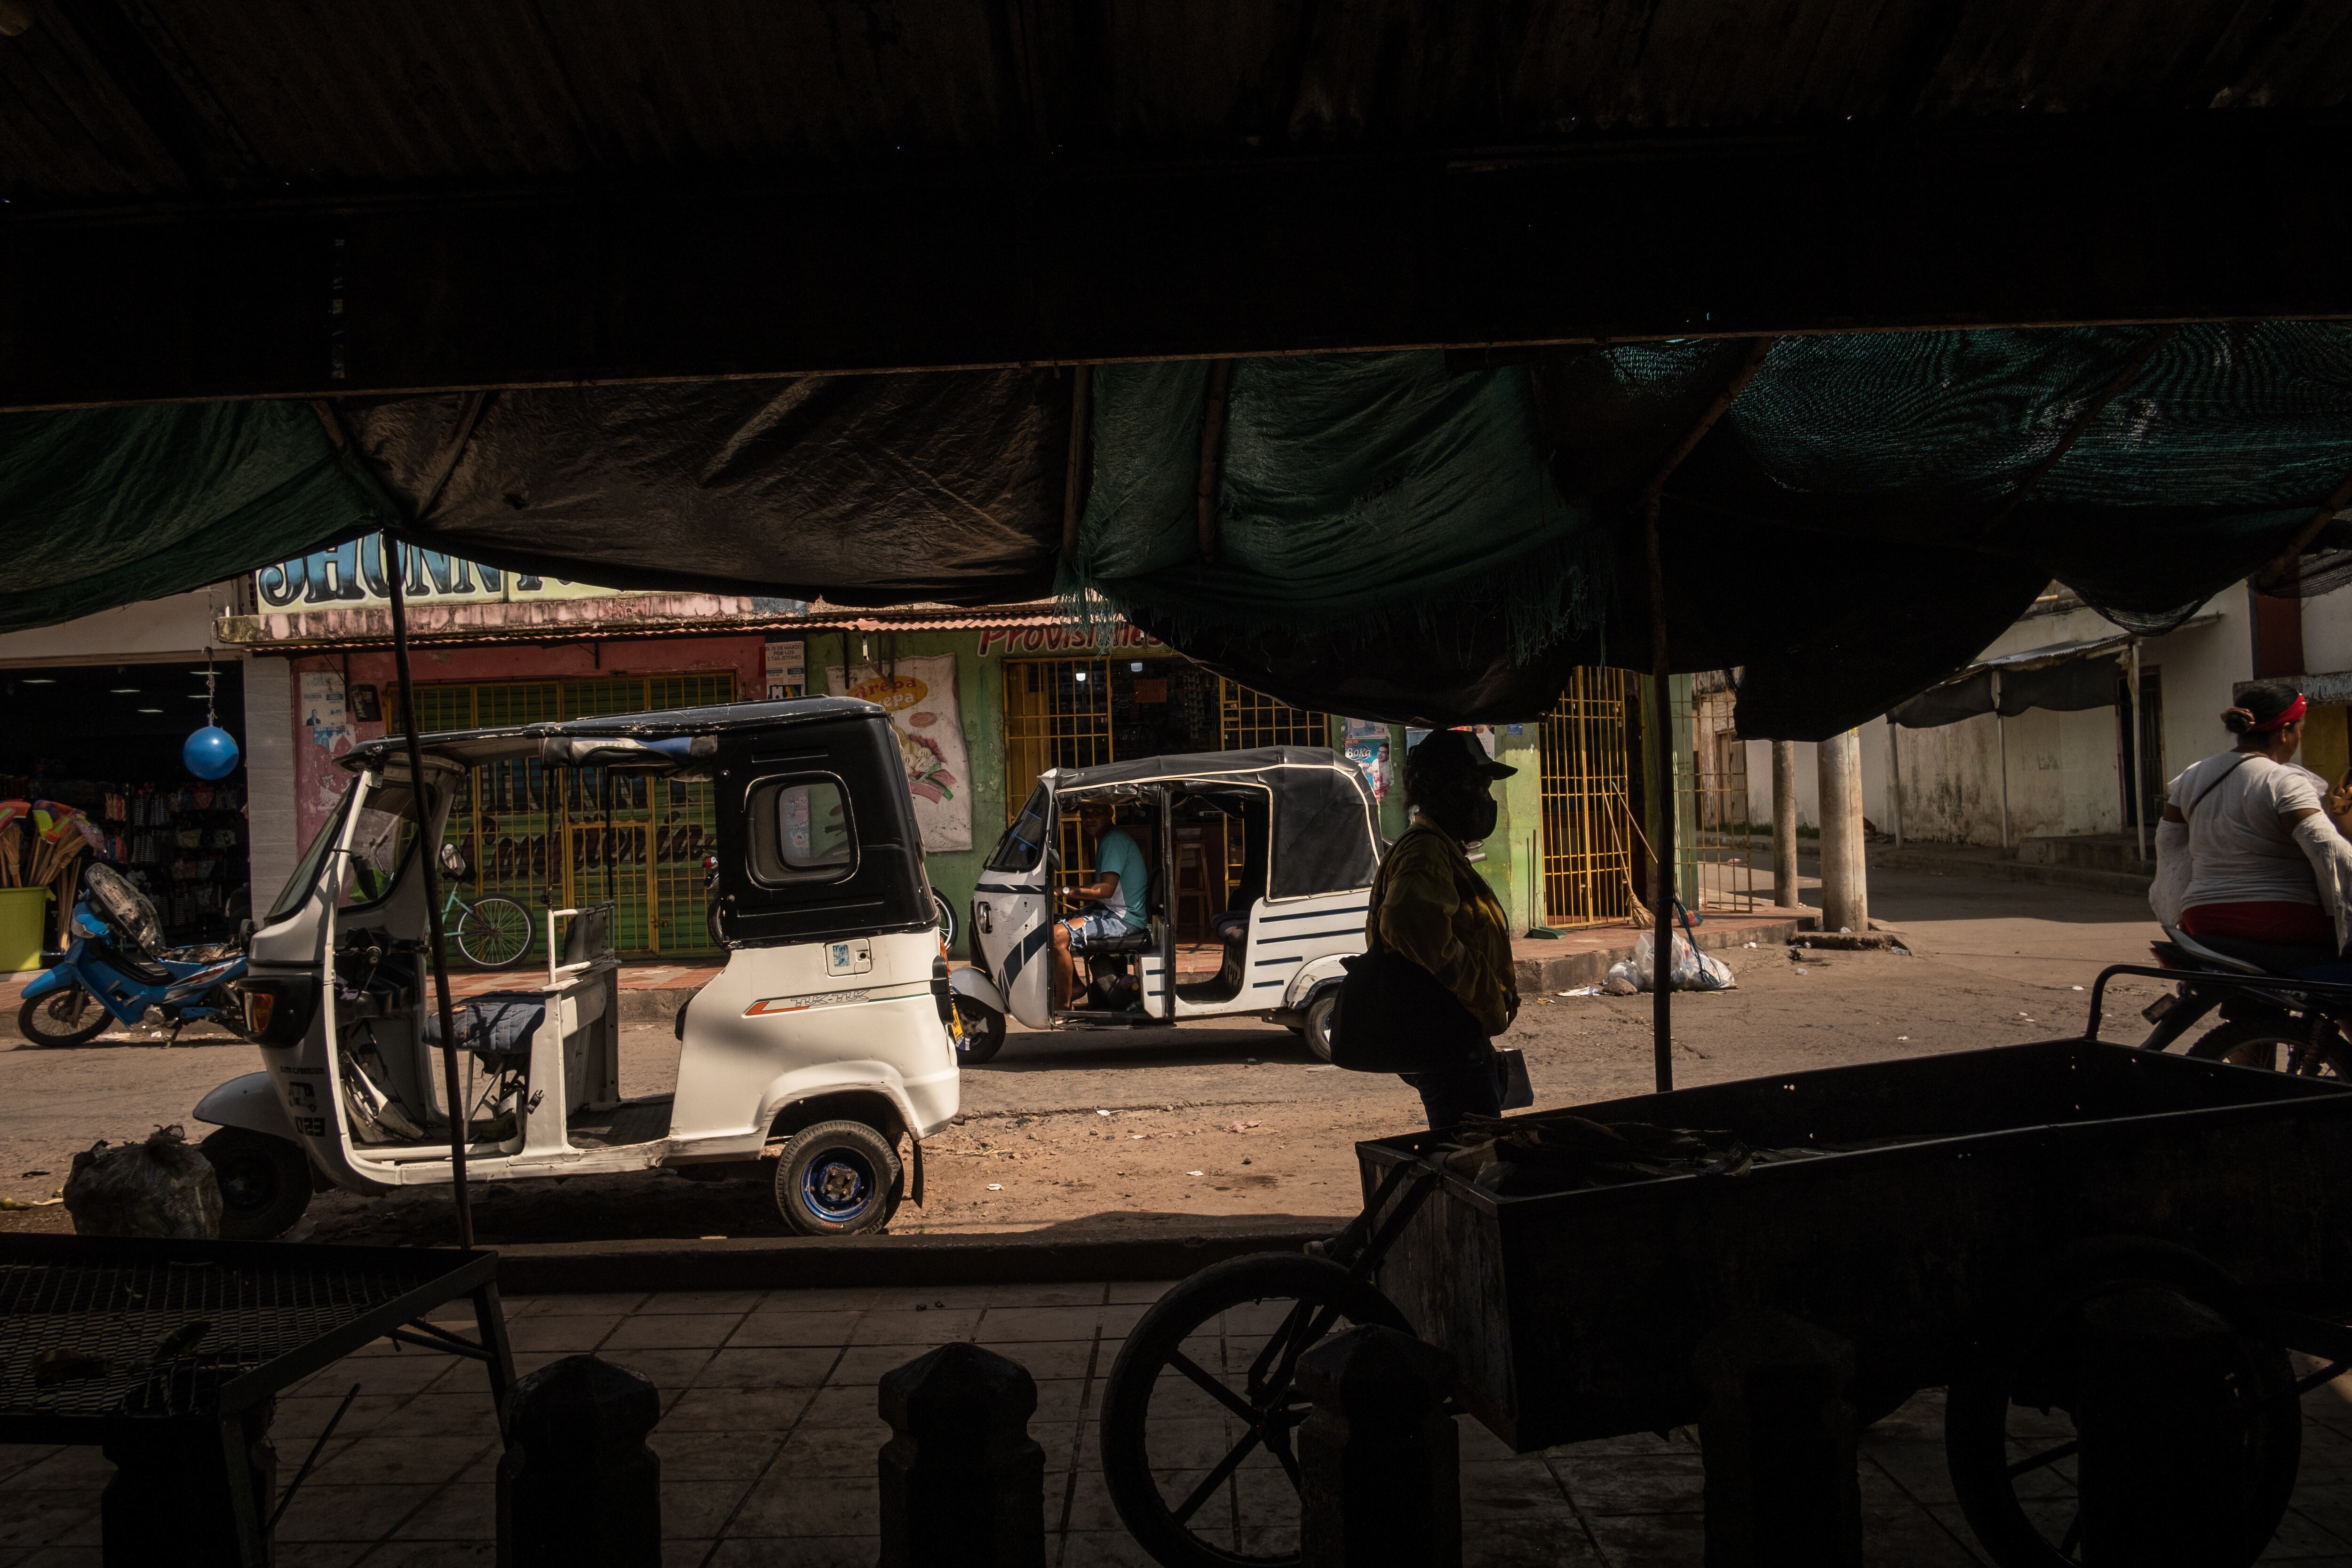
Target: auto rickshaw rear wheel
265,1182
838,1179
1317,1028
983,1031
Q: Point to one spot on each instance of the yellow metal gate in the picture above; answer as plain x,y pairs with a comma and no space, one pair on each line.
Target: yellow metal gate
1590,837
540,836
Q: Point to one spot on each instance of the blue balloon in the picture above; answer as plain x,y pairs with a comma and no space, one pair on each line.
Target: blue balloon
210,753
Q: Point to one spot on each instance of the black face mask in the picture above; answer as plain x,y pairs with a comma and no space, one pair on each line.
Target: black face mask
1467,812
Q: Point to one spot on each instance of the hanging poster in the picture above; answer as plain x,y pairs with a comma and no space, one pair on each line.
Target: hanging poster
787,669
920,694
323,732
1367,749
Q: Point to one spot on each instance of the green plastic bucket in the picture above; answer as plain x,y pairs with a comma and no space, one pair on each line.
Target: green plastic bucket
24,921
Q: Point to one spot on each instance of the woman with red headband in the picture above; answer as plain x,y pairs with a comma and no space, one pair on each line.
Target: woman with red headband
2251,857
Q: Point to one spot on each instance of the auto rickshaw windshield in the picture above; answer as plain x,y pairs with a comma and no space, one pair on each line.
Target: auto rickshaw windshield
379,844
1026,839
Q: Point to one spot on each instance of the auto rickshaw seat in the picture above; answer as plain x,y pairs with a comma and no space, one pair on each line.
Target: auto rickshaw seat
496,1026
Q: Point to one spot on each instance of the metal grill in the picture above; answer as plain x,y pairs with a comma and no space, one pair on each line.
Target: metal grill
547,848
1249,719
1056,714
122,1314
1589,843
1718,862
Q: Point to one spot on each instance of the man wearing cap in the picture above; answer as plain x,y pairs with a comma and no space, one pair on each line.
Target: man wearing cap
1429,904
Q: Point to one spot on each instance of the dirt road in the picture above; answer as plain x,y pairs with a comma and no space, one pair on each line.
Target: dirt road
1158,1127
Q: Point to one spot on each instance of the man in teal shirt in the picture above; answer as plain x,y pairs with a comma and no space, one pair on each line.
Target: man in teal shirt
1113,901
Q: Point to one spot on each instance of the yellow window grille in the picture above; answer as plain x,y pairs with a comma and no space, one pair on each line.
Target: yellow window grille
542,839
1252,719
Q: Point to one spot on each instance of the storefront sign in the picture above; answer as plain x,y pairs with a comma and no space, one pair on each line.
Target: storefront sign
920,694
1019,640
352,574
787,670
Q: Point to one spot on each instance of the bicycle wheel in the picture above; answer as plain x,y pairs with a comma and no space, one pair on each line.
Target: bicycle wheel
1197,1421
494,933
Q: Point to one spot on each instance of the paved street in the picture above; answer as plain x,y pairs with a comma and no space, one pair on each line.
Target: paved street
1204,1121
769,1435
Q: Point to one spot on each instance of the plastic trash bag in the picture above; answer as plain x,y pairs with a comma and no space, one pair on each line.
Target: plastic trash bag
1688,969
161,1187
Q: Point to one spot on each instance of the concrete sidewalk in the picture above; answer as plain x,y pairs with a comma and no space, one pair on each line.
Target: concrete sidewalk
768,1437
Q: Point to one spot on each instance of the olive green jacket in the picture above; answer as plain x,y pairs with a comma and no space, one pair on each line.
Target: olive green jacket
1419,910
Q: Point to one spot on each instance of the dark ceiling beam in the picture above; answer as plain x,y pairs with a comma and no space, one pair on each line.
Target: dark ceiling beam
2032,222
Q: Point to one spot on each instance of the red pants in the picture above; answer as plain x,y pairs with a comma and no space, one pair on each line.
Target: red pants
2281,924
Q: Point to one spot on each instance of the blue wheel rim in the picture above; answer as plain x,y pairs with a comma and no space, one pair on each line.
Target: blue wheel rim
838,1186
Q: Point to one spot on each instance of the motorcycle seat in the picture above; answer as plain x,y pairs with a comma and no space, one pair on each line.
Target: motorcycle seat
2204,954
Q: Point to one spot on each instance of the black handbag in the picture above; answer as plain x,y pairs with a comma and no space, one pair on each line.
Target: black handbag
1393,1016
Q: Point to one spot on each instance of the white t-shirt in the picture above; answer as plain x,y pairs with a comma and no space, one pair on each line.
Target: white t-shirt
2238,853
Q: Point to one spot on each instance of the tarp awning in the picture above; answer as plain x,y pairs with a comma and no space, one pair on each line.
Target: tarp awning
2066,677
1393,536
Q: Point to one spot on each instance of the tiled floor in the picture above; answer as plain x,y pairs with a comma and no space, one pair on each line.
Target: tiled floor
769,1432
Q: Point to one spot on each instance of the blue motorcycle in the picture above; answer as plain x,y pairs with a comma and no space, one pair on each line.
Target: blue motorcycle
117,969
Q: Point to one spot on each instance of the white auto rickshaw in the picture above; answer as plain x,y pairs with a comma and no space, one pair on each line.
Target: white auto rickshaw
1272,850
824,1043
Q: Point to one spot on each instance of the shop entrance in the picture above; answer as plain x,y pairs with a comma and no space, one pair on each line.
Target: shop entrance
581,834
105,739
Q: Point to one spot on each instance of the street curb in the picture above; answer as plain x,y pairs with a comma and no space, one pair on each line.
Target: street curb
1591,966
786,1263
2083,877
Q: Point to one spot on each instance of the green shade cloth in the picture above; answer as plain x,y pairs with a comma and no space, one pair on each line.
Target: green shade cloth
100,507
1359,496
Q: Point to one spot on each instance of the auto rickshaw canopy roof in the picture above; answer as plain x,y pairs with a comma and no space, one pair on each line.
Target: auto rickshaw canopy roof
1325,833
630,741
792,299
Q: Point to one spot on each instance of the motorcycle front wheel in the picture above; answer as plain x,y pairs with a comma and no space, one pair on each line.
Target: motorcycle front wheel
70,1017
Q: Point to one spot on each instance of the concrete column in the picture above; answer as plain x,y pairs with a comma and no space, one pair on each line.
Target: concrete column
1845,881
578,1486
1785,881
274,835
1379,1459
961,1480
1779,1438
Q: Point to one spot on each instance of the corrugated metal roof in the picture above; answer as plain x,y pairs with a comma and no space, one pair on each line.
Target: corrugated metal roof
114,101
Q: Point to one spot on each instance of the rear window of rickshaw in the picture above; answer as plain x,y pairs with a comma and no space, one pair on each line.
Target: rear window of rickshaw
1026,839
802,831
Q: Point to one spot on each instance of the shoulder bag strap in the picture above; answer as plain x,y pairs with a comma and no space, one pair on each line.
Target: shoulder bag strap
2242,757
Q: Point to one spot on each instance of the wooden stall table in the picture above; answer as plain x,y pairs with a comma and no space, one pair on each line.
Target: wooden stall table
171,1354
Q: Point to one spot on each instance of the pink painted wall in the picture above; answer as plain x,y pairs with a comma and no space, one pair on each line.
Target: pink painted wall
318,784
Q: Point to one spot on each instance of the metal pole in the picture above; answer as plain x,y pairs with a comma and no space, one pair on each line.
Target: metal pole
1784,826
2138,764
428,856
1895,778
2001,733
1662,768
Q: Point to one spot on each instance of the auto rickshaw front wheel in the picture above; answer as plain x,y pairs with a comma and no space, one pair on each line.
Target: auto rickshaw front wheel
983,1031
837,1178
265,1182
